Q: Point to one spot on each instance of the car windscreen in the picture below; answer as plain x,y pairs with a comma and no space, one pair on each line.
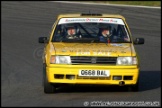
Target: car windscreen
95,31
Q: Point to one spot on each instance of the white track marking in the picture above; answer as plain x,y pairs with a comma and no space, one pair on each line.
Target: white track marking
119,5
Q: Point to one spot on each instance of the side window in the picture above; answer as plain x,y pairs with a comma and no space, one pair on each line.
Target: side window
122,33
59,33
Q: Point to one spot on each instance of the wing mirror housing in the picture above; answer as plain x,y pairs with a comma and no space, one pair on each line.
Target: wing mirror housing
139,41
42,40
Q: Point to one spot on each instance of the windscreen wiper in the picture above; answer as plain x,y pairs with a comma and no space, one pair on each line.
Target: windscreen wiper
95,40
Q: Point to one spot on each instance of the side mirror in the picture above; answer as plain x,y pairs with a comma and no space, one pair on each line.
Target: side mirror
139,41
42,40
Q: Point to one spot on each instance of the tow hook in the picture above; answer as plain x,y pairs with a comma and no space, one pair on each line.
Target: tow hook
121,83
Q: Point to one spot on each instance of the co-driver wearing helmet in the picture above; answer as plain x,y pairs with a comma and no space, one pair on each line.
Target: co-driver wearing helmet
104,35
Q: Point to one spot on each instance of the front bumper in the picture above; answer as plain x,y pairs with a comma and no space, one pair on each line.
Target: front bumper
68,74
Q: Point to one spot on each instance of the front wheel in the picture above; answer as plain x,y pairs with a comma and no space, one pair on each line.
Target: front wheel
48,87
134,88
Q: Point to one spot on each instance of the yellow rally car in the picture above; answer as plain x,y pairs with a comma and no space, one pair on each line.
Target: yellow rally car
90,48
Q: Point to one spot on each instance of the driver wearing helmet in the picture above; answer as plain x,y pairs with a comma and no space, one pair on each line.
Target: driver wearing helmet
71,33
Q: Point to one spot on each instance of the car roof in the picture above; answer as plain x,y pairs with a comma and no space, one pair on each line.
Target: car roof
80,15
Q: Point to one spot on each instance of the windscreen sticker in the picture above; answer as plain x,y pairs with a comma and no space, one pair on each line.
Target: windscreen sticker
101,20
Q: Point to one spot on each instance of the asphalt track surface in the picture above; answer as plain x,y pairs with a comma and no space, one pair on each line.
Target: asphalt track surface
21,73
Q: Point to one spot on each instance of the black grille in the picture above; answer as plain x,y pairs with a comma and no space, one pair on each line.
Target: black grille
93,60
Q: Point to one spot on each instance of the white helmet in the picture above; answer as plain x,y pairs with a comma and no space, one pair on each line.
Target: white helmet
71,31
105,32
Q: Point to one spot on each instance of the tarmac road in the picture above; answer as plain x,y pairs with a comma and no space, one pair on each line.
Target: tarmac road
21,73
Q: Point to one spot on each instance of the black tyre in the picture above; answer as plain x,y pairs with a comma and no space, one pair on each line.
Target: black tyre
134,88
48,87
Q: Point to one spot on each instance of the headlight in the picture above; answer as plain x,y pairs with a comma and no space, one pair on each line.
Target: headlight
60,60
126,61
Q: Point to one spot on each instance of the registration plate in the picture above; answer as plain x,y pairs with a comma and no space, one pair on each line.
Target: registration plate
97,73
